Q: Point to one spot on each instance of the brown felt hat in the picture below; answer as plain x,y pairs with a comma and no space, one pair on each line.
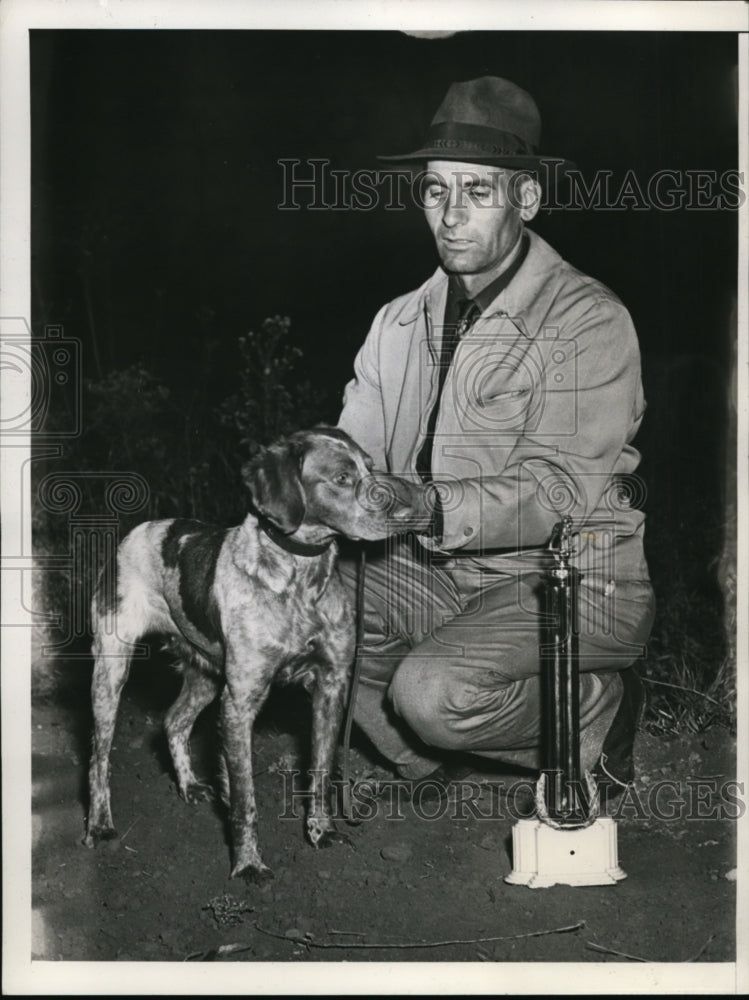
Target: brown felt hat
489,120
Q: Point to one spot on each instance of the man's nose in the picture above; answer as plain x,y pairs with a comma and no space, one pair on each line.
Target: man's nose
455,210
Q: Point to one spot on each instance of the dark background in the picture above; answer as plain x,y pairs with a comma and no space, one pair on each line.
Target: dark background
156,235
156,182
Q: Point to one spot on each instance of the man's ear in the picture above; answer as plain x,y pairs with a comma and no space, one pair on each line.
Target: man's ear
272,477
525,195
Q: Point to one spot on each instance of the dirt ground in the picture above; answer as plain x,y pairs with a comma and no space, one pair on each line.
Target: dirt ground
161,891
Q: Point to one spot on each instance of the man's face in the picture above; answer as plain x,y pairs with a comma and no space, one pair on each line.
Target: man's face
475,213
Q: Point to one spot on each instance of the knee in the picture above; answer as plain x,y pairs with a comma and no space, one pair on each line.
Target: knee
429,700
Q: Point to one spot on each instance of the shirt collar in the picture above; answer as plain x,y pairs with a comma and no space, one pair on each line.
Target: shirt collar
525,300
489,293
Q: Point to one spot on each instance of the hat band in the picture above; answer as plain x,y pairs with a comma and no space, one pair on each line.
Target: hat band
460,136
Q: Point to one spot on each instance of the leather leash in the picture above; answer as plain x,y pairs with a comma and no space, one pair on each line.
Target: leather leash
348,811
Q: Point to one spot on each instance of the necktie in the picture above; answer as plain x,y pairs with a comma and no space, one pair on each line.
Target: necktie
468,313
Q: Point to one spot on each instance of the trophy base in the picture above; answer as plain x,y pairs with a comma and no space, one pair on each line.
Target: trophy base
544,856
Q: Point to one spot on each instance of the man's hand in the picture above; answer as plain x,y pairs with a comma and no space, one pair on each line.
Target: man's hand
420,501
411,504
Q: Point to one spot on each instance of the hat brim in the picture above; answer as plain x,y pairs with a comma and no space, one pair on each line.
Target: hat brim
556,165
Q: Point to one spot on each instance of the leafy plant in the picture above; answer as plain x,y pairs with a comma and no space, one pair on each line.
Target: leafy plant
271,401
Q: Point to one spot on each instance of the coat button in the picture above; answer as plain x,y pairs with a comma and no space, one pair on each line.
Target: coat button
467,531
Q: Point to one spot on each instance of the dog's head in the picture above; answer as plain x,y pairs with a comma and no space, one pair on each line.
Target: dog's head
323,480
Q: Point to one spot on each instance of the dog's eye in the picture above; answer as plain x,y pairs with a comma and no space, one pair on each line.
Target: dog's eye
342,479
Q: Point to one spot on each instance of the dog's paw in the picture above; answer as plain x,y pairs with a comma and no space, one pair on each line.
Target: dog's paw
197,791
254,874
96,834
331,837
322,832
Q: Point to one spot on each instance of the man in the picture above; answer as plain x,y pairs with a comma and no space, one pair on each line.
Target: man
510,384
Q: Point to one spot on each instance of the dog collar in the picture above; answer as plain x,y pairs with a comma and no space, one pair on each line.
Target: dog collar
295,548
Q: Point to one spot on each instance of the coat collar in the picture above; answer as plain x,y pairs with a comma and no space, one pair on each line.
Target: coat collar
525,301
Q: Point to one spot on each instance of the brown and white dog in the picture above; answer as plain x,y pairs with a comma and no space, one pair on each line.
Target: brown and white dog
245,606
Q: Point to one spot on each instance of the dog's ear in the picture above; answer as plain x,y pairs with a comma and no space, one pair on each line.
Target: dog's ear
272,477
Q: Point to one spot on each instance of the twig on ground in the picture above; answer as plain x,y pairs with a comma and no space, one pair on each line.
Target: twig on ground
122,838
636,958
702,949
213,953
612,951
420,944
680,687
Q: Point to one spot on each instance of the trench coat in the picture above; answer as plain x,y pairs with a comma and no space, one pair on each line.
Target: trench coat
536,419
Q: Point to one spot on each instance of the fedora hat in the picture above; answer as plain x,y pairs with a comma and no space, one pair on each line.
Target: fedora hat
489,121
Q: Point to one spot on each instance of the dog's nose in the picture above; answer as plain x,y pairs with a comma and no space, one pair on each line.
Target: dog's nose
378,494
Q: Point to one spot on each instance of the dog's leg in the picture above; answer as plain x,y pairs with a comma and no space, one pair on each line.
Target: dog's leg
198,690
240,704
328,701
111,668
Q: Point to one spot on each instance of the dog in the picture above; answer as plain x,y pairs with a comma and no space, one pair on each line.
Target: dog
245,606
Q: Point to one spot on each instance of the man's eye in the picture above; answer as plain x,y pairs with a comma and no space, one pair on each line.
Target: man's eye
433,195
481,192
342,479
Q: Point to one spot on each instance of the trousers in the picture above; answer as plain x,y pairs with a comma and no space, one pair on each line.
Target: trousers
451,656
